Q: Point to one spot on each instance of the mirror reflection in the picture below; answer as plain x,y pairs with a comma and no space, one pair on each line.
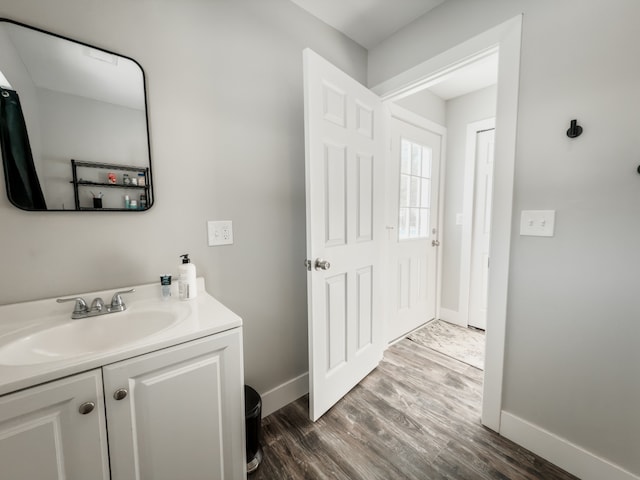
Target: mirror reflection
73,124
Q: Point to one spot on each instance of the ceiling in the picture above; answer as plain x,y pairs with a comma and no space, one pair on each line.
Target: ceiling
368,22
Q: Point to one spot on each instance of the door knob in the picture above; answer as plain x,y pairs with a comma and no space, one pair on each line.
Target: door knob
86,407
322,264
120,394
435,243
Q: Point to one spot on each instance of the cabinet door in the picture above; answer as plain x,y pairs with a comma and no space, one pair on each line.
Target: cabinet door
183,413
44,436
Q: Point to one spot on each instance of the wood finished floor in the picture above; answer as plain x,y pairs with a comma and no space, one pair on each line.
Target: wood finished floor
415,417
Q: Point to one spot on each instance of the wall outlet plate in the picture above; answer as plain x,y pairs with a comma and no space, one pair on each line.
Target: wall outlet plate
220,232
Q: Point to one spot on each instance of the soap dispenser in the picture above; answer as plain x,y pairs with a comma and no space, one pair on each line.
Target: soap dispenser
187,287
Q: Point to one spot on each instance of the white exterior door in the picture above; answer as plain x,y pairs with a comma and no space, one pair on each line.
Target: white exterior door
412,225
345,202
483,189
179,412
55,431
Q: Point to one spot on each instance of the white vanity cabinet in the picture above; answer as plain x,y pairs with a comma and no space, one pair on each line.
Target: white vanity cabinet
55,431
175,413
178,413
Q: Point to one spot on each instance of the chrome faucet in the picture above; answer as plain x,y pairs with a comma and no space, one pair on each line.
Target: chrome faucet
81,310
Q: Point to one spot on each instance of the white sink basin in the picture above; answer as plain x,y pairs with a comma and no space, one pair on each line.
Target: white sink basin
88,335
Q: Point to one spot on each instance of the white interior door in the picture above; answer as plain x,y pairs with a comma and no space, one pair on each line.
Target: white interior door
413,185
345,201
481,229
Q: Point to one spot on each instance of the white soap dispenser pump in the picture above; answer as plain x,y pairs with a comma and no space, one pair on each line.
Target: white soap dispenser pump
187,287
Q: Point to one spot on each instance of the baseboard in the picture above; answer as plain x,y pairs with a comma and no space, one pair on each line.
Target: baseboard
451,316
284,394
561,452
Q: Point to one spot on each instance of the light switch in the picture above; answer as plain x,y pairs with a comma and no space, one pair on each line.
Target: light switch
537,223
459,219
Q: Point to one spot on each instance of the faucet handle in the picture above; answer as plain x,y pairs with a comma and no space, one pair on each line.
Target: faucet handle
97,305
80,307
116,300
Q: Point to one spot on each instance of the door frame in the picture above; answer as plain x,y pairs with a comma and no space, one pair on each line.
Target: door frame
506,39
407,116
468,204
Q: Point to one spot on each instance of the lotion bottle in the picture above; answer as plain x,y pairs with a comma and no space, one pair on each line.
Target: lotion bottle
187,287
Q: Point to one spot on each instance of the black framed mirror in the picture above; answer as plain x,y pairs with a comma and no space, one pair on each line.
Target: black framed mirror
73,124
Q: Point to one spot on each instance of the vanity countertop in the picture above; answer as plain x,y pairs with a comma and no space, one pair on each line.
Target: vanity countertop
196,318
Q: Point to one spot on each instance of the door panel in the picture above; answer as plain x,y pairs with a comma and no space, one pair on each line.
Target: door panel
365,198
337,321
412,219
336,201
182,413
365,313
345,191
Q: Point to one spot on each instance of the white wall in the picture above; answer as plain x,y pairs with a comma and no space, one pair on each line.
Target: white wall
427,105
461,111
227,143
572,358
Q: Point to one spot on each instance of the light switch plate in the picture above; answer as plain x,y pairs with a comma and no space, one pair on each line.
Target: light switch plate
538,223
459,219
220,232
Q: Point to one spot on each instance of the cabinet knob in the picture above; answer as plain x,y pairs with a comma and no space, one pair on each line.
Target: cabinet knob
86,407
120,394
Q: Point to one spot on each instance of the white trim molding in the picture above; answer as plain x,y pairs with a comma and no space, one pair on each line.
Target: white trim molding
284,394
561,452
451,316
436,69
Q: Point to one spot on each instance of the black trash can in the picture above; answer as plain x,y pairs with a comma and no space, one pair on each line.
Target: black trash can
253,422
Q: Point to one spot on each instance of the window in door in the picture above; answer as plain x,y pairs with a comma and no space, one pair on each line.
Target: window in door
415,190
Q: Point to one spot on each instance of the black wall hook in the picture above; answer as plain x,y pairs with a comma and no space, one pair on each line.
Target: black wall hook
575,130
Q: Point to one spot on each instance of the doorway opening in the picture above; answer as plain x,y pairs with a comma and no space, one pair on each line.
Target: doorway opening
505,40
447,114
442,117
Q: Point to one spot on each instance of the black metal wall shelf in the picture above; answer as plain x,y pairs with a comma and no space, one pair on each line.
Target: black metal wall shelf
75,164
84,183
